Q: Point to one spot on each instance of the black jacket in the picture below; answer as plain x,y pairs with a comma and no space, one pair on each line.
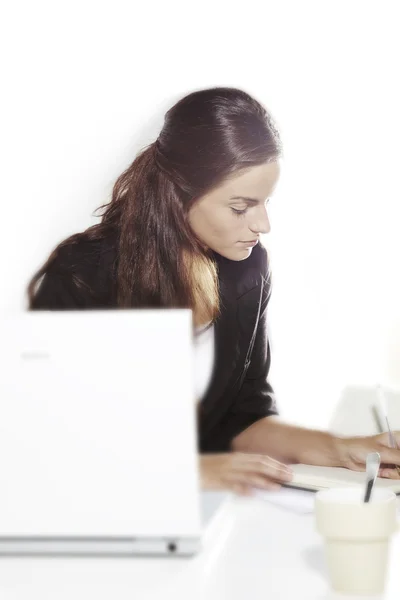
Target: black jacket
239,393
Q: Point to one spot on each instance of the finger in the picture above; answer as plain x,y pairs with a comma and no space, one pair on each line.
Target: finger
262,458
384,471
242,489
353,466
253,480
389,473
263,483
389,455
269,472
263,467
276,472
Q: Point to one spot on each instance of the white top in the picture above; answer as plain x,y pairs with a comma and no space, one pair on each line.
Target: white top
203,359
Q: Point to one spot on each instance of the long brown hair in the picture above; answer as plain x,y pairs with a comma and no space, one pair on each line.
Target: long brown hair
207,136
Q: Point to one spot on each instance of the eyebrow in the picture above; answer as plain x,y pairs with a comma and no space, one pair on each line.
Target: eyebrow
247,199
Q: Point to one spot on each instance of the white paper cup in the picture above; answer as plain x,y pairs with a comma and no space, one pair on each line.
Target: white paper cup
357,537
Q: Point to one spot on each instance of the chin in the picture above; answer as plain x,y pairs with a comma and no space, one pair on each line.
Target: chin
237,255
246,253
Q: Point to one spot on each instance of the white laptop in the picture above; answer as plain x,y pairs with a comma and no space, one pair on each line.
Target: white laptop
97,433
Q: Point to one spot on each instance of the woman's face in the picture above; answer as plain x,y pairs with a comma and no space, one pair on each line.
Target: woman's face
231,217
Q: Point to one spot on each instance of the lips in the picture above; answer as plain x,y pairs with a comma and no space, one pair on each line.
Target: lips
250,242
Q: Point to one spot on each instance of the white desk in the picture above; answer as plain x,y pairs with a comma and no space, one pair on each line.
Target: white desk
253,551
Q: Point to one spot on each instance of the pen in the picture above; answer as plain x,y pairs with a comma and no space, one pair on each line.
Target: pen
392,439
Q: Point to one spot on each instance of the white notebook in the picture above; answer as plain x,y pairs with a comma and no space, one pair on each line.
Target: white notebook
310,477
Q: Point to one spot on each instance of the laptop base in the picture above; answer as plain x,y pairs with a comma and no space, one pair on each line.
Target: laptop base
70,546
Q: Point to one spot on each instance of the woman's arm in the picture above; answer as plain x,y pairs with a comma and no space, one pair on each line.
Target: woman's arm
290,444
58,292
75,280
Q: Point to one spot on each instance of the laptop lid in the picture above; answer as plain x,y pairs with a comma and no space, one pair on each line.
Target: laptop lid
97,429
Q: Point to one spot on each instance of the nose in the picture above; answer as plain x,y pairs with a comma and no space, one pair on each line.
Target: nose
261,223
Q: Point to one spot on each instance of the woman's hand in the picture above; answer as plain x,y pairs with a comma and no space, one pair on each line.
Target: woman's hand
242,472
353,452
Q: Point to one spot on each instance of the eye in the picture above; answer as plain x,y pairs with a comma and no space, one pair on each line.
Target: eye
238,212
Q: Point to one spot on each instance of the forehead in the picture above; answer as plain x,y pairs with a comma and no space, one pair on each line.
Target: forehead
256,182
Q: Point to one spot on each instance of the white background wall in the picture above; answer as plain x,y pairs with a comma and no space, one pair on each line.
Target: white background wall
85,85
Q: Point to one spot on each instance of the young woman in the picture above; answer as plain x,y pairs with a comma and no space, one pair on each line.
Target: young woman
183,230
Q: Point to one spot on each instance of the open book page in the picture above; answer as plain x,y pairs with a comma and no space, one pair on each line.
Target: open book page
316,478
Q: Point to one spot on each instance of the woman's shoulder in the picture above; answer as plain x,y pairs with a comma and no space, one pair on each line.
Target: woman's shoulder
81,275
85,256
